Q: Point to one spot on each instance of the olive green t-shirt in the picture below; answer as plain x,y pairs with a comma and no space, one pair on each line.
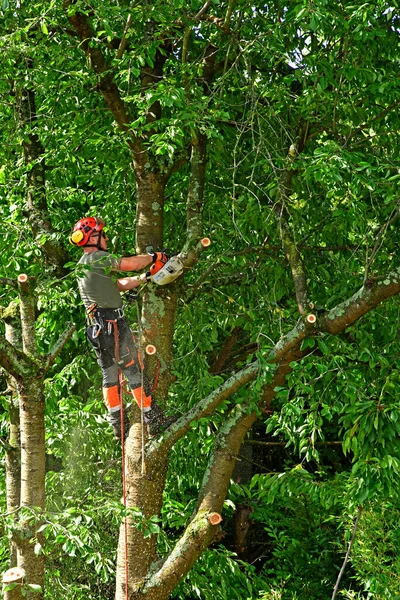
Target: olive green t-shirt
94,280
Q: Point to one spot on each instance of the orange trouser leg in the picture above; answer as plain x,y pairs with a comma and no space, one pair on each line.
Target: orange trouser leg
143,401
111,397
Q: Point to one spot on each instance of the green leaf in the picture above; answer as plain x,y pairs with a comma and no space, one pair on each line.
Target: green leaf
308,342
10,586
33,587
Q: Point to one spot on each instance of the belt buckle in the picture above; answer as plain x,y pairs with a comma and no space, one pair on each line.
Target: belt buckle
120,313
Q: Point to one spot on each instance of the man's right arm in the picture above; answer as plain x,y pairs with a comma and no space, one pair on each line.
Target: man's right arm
135,263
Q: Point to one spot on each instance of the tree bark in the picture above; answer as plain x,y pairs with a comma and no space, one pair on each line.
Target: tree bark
13,335
145,484
32,480
33,457
28,368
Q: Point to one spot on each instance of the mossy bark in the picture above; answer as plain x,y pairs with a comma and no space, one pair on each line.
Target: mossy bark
13,450
32,480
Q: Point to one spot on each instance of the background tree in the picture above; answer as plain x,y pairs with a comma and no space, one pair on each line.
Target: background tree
272,129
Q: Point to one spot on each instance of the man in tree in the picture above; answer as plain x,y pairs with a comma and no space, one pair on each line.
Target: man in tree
108,330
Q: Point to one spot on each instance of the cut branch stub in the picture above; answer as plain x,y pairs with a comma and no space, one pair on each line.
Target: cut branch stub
205,242
215,518
150,349
311,318
23,278
13,575
13,580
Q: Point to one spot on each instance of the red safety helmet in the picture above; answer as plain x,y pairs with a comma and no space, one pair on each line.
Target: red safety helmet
83,229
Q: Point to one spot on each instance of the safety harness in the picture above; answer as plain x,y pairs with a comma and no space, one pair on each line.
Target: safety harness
106,319
102,318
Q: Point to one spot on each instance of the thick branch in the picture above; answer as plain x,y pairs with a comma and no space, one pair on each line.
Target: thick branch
333,321
204,408
228,15
288,243
370,295
106,85
200,532
194,204
207,406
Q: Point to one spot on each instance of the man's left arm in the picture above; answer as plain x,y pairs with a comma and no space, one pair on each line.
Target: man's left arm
125,284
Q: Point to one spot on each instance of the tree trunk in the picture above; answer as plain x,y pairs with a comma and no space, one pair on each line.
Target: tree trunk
159,304
13,471
32,481
13,335
33,458
145,481
149,209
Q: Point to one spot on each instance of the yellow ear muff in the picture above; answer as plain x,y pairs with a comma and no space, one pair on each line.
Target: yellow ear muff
76,237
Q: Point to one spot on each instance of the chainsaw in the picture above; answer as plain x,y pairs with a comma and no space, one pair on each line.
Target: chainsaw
165,268
170,271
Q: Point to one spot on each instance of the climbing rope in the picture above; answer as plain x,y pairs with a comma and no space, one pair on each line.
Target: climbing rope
122,421
142,383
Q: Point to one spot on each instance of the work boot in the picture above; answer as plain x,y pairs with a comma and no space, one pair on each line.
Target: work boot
156,420
114,418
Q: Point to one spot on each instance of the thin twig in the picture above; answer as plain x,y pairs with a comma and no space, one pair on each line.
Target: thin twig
346,558
122,44
278,444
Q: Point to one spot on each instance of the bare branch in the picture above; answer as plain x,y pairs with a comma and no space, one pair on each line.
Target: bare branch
122,44
228,15
58,346
353,537
26,287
